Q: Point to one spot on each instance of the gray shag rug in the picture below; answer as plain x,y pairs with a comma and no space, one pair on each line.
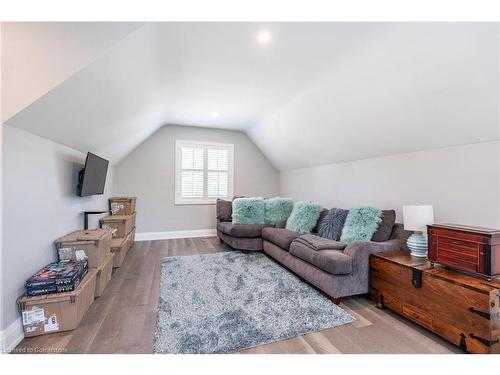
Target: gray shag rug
226,302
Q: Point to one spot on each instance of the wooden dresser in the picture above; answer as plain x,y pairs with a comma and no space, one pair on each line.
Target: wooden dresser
466,248
461,308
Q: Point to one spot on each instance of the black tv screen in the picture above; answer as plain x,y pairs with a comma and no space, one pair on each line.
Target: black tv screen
93,176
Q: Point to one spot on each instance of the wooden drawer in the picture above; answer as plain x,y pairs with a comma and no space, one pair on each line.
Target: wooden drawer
465,248
456,262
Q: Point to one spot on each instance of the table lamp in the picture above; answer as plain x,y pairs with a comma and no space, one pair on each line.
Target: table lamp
415,218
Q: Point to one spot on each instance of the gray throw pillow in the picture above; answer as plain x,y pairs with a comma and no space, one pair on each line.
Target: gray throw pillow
332,224
322,215
385,226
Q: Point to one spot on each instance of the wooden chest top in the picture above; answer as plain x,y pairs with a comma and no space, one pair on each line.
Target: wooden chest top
403,258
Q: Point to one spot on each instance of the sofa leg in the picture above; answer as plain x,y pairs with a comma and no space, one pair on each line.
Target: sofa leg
244,251
335,300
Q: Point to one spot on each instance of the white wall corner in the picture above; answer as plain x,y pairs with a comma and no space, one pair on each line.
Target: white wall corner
11,336
150,236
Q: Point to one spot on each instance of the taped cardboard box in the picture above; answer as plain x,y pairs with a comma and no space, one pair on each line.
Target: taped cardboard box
95,244
122,205
57,312
103,276
120,225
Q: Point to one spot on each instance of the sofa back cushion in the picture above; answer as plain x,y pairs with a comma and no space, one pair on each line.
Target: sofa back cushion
248,211
304,217
224,209
277,209
360,224
331,225
385,226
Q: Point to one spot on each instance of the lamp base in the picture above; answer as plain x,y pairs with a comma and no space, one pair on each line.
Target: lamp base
417,243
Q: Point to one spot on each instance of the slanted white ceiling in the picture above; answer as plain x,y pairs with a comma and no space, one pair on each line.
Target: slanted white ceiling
38,56
319,93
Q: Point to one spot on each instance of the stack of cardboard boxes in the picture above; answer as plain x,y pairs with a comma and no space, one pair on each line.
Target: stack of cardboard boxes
102,249
121,222
96,245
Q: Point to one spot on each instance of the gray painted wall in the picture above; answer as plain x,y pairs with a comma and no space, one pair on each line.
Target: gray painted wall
148,173
462,182
39,205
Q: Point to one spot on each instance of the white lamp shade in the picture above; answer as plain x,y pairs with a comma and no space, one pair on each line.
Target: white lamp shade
416,217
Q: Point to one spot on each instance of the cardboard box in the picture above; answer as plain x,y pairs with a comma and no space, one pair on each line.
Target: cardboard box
103,276
121,225
95,244
57,312
120,248
132,238
122,205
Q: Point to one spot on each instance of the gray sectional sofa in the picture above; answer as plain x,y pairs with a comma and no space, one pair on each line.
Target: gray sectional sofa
338,270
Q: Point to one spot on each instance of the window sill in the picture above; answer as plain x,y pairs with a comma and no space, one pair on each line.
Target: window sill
183,202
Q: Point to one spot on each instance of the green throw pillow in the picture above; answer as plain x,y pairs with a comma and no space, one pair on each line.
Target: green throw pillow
360,224
248,211
303,217
277,209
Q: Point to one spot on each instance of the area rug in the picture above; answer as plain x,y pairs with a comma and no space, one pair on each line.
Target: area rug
226,302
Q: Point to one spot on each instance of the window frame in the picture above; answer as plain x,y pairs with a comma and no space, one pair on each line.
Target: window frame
179,200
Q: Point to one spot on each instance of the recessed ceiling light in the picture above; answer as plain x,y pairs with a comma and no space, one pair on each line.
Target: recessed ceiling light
215,114
264,37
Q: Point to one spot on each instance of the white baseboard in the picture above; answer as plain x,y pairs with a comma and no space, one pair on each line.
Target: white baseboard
149,236
11,336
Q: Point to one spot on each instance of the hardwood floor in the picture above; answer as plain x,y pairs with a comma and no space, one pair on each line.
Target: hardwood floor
123,319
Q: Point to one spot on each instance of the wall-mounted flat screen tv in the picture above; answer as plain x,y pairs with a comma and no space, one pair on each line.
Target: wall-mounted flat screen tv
92,177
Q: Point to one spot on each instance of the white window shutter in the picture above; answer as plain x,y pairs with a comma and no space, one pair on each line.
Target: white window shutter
203,172
192,184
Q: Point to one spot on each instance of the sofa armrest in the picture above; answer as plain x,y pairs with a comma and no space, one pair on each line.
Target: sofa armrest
371,247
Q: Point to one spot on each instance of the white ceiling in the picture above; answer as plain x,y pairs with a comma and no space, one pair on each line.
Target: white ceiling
318,93
36,57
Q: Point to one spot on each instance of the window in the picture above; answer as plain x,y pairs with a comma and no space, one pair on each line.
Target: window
203,172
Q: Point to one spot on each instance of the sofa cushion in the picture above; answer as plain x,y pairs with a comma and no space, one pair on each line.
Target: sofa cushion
361,223
248,211
322,216
224,209
241,230
334,262
304,217
331,225
320,243
384,229
280,224
279,236
277,209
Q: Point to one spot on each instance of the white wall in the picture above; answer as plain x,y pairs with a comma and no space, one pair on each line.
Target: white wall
462,182
149,171
39,205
